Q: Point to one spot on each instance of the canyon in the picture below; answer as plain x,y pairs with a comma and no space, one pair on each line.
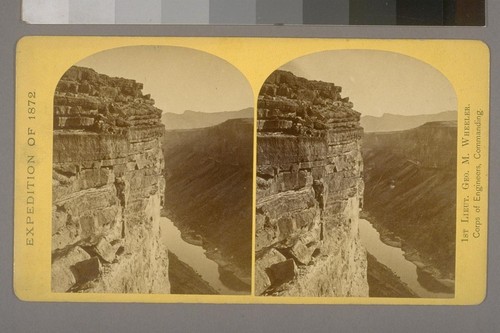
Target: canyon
208,194
108,187
119,177
110,199
309,191
410,196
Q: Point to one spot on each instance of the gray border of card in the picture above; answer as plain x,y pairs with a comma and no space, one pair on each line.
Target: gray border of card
18,316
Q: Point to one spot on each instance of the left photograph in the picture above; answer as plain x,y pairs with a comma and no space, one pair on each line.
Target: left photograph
152,174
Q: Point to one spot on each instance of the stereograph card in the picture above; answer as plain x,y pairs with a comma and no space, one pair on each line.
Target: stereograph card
251,170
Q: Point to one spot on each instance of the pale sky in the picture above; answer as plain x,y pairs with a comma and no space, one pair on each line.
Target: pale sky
379,82
178,79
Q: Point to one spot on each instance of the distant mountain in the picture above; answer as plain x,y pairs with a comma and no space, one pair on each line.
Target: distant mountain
393,122
195,119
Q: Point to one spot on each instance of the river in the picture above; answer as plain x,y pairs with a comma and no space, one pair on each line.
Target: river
194,256
393,258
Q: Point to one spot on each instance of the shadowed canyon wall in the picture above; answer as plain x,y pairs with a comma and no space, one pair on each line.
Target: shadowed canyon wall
309,191
410,194
208,192
107,187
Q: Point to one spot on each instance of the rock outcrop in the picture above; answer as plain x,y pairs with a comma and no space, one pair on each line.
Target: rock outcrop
309,191
107,187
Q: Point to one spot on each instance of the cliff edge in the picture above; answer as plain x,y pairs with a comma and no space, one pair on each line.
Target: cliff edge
107,187
309,191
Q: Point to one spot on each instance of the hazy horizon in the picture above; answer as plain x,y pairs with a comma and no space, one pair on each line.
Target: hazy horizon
197,111
379,82
182,79
362,115
178,79
408,115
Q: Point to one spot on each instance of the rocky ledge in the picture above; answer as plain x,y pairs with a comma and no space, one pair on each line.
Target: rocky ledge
107,187
309,191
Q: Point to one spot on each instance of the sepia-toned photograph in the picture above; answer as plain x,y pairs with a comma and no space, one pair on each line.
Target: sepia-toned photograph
356,178
251,170
152,174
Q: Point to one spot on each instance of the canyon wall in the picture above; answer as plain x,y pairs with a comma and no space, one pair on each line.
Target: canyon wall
107,187
209,177
410,194
309,191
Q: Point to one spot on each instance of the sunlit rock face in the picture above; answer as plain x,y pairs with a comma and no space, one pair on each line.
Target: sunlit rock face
309,191
107,187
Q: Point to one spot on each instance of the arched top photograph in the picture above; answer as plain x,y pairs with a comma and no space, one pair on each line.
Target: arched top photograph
152,174
356,178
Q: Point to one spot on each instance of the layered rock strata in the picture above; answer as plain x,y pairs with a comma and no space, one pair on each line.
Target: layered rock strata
107,187
309,191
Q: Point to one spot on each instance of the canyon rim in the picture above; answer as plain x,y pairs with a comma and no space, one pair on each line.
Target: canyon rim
348,211
150,196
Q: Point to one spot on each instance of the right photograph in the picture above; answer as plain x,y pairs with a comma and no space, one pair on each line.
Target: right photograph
356,178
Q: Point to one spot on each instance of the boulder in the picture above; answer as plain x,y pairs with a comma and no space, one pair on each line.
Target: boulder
105,250
87,270
62,276
262,280
282,272
301,253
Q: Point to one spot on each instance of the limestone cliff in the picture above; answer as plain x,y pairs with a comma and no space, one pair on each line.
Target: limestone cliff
309,191
107,187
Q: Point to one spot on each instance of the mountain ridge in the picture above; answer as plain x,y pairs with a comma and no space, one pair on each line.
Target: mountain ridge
198,119
389,122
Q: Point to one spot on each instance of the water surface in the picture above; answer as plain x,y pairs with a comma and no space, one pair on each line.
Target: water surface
194,256
393,258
